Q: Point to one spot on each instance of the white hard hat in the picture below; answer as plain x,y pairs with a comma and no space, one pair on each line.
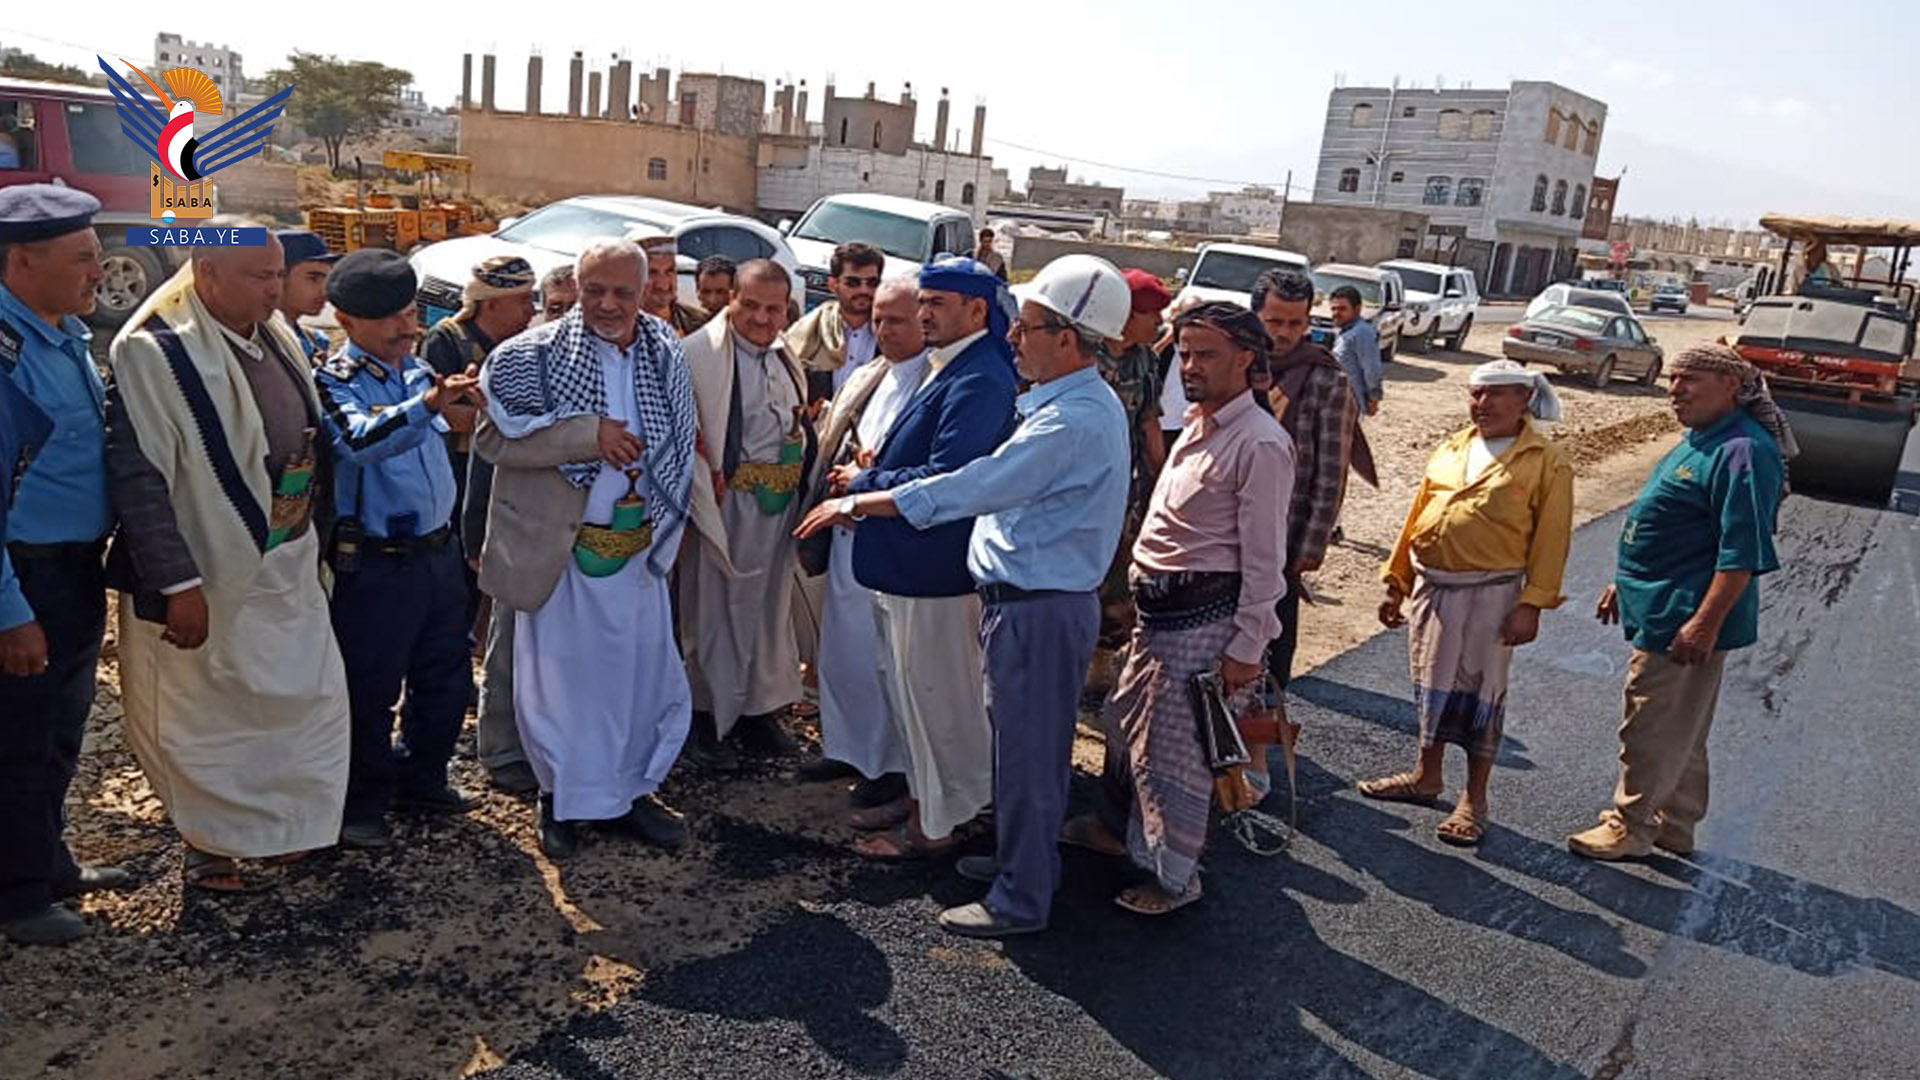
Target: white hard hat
1085,290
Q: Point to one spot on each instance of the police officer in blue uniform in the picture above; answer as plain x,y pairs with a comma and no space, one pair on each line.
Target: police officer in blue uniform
304,292
400,593
53,605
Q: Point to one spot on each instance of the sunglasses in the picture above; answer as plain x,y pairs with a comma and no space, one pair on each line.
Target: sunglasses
861,282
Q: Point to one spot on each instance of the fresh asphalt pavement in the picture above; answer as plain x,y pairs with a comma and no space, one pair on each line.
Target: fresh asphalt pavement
1789,947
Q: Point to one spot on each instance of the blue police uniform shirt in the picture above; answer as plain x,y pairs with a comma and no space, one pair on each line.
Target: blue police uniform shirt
63,495
1710,505
313,343
392,470
1050,502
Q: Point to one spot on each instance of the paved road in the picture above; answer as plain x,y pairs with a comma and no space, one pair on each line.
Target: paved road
1790,948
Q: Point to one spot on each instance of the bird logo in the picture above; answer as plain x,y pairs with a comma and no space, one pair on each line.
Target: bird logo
193,91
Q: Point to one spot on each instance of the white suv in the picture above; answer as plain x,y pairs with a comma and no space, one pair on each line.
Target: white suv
911,233
1228,271
1440,303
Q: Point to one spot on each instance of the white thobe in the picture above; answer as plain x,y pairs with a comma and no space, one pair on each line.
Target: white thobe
246,738
854,724
598,689
743,659
861,349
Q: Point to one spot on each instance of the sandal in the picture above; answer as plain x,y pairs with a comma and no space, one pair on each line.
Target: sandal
1087,832
216,874
901,845
1151,899
883,817
289,859
1465,827
1400,787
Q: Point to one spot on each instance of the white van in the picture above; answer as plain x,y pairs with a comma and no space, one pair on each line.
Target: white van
909,232
1228,271
1440,303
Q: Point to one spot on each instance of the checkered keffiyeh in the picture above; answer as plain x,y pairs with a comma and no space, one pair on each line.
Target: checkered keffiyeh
1752,396
550,373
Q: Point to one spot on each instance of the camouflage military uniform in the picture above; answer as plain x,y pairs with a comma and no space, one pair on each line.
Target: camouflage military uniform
1135,379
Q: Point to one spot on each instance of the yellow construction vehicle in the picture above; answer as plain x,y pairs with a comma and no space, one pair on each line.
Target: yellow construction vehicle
404,221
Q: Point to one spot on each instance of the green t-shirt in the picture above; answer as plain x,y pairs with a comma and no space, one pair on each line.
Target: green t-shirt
1710,505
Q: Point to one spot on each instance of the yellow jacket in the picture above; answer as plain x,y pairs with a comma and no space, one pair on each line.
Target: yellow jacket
1518,515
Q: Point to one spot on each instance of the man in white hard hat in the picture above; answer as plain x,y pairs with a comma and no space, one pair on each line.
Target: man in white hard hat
1049,504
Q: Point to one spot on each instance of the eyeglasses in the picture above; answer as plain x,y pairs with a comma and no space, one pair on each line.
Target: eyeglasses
1022,329
861,282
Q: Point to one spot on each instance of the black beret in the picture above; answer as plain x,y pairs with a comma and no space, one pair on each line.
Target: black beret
371,284
30,212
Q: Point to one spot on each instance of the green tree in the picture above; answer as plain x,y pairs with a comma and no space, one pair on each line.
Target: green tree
335,100
25,65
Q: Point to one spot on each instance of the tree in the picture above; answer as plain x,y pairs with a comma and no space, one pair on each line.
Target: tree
25,65
335,100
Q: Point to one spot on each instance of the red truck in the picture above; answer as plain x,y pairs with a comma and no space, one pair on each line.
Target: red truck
58,133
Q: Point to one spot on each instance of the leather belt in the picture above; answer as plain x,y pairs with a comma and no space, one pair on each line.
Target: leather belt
74,549
996,593
409,545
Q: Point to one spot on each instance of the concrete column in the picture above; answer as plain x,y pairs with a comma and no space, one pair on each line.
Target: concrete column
620,91
593,95
979,129
576,69
466,81
940,121
486,82
534,71
800,111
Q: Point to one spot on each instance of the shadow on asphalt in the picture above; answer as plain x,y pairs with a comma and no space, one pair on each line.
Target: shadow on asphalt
1394,713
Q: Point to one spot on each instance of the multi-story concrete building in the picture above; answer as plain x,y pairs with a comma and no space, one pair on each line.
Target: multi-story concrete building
216,62
1502,175
1050,187
1253,210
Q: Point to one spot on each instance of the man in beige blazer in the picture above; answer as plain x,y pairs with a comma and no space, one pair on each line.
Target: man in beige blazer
756,448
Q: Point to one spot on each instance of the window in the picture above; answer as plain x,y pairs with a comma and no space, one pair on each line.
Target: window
843,131
1408,113
1579,202
1559,198
966,194
1480,125
1398,177
19,146
1349,180
876,134
1553,126
1540,194
706,165
1407,248
1438,189
1362,116
164,57
97,144
657,168
1593,138
1451,124
1471,191
732,241
939,191
1574,130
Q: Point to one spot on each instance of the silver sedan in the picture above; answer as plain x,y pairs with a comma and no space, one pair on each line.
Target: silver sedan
1601,345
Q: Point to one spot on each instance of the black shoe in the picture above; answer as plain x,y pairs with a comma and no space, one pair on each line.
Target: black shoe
514,778
821,770
981,868
881,790
444,800
763,736
93,879
558,839
704,750
51,925
654,822
367,836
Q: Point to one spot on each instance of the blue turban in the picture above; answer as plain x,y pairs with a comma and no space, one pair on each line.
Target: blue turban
969,277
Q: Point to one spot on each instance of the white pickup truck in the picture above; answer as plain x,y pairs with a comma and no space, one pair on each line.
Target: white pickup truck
1440,303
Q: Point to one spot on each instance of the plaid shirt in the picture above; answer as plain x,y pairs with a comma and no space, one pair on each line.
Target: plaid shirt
1322,426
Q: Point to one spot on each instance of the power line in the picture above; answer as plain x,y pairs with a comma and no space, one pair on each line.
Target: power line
1057,156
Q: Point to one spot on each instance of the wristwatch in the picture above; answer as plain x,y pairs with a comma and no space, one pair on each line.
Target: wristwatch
850,507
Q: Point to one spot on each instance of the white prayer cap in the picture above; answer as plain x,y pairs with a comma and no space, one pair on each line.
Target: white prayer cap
1544,404
654,240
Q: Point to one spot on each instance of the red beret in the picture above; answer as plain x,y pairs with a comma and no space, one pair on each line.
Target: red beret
1148,293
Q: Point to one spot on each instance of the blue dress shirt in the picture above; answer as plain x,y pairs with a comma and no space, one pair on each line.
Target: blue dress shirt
391,470
62,497
1050,501
1358,350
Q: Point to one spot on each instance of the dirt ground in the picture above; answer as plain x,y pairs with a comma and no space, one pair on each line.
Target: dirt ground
463,944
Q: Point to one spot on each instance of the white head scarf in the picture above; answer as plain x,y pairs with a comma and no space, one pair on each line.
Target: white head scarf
1544,404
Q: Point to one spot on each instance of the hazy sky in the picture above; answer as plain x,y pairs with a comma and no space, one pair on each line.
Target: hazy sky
1721,111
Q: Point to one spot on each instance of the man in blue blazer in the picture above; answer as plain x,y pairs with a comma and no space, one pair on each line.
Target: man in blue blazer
927,606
